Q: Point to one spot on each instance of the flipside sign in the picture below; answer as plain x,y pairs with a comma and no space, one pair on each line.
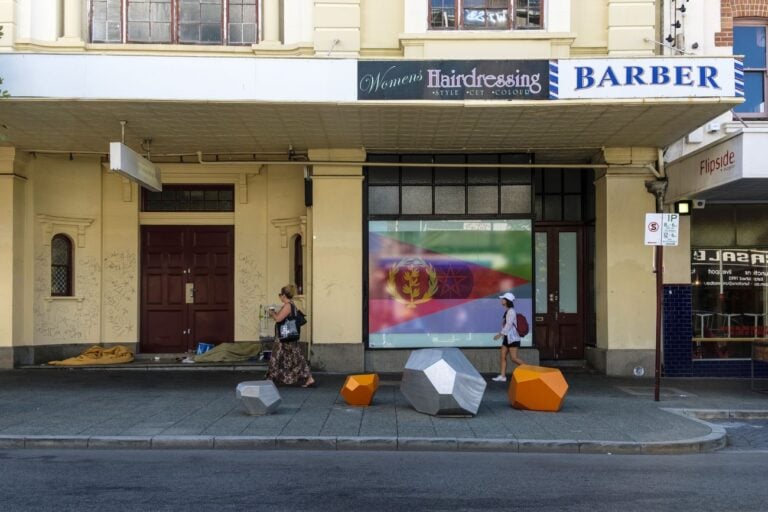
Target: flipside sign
704,170
125,161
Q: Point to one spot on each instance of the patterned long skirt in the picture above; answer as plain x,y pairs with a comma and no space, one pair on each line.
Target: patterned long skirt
287,366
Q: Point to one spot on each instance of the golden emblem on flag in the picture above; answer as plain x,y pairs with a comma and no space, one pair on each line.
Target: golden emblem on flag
408,277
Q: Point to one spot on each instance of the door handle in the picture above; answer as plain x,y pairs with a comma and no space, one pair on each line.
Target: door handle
189,293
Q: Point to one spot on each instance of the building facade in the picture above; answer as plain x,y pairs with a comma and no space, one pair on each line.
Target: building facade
720,168
403,163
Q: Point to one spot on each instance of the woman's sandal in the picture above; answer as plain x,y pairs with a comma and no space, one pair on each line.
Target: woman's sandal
312,384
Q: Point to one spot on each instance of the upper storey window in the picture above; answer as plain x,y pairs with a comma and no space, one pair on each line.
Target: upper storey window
749,41
485,14
228,22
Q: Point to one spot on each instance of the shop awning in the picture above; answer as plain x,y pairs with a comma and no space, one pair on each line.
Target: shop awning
248,106
730,170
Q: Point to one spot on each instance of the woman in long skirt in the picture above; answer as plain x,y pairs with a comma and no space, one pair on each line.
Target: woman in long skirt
287,366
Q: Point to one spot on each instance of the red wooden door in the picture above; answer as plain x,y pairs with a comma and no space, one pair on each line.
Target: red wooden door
560,292
187,287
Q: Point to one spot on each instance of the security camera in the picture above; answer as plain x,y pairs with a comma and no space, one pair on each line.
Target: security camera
699,203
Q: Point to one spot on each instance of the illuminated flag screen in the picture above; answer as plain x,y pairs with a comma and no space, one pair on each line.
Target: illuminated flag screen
436,283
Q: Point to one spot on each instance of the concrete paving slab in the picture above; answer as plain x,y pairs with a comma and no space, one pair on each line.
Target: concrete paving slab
165,409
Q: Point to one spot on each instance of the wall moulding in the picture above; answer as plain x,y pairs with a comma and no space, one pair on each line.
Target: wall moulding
194,174
293,225
50,223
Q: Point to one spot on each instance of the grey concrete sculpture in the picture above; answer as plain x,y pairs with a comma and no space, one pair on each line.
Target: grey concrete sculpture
442,382
259,397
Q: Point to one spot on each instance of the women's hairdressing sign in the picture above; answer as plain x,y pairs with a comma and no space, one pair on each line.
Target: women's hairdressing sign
453,80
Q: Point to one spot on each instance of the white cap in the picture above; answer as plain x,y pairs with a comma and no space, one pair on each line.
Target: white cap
507,296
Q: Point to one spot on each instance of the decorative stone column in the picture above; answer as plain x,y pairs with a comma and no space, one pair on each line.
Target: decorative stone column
337,265
625,284
12,256
271,20
73,23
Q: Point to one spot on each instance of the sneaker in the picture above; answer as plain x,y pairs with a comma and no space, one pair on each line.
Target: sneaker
499,378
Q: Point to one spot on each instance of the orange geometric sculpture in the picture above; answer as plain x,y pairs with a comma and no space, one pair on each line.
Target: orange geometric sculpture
359,389
537,388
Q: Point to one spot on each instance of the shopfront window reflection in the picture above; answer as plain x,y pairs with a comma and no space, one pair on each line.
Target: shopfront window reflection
730,301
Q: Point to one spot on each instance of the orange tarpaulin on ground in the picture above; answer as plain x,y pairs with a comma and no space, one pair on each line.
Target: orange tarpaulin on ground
98,355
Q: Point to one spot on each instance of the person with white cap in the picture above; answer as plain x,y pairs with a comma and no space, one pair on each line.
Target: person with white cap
510,337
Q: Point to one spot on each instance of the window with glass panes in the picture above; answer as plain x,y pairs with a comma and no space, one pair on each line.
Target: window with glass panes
485,14
229,22
448,185
749,41
564,195
61,266
190,198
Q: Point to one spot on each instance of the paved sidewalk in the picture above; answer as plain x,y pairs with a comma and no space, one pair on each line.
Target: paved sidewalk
80,408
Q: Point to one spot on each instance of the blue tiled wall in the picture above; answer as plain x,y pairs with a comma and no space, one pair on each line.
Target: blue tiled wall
678,349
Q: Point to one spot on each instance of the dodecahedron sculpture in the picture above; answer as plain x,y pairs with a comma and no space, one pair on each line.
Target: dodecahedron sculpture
537,388
259,397
442,382
359,389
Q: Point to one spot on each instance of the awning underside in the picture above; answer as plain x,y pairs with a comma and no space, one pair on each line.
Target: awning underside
558,132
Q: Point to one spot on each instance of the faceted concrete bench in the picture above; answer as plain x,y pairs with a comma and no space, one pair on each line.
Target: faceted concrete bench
359,389
537,388
442,382
259,397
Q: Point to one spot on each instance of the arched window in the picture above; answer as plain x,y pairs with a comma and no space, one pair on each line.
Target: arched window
298,264
61,266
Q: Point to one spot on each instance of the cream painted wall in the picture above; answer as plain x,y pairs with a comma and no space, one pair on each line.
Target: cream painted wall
46,20
415,16
630,24
589,20
284,201
121,259
251,230
298,24
9,20
380,26
68,192
558,15
624,280
517,45
337,20
337,250
11,251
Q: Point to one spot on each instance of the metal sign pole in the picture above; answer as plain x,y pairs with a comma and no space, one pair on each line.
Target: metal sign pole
659,299
659,238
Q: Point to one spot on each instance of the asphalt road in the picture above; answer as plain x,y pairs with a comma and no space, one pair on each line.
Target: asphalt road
154,480
746,434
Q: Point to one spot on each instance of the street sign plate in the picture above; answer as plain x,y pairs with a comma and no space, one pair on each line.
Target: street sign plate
662,228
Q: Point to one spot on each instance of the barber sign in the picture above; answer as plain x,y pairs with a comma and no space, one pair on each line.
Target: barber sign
651,77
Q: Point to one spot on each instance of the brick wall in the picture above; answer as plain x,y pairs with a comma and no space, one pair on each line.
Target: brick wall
730,9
